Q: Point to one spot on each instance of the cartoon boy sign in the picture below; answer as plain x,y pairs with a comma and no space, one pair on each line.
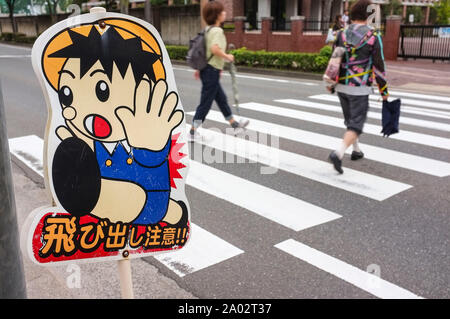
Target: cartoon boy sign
112,147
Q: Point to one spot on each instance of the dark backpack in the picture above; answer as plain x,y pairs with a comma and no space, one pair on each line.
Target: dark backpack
196,57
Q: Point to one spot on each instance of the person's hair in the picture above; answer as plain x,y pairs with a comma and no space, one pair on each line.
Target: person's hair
107,48
211,11
358,10
337,19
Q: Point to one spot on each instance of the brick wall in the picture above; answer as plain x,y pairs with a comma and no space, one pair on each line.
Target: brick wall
297,41
265,39
234,8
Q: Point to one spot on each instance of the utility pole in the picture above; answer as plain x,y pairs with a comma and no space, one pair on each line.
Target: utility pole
12,281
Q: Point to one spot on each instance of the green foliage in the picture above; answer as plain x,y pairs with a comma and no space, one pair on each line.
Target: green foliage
16,37
417,12
442,9
321,62
158,2
393,7
177,52
326,51
306,62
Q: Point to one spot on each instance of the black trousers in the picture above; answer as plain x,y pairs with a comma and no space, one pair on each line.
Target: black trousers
211,91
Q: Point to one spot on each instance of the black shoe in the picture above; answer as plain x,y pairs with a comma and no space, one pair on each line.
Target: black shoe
337,163
356,155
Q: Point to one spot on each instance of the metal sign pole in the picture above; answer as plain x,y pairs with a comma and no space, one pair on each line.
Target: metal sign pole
126,281
12,281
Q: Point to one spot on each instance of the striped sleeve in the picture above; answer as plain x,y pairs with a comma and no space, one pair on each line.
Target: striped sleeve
379,67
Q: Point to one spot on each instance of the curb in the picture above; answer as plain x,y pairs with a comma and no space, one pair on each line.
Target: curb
272,72
17,44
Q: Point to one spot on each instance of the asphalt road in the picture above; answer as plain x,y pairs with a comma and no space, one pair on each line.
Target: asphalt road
402,234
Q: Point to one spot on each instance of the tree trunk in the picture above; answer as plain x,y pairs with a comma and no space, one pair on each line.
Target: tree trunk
50,5
10,5
148,14
55,13
124,6
108,5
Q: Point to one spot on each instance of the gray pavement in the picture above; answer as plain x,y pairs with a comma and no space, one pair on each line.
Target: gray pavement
406,235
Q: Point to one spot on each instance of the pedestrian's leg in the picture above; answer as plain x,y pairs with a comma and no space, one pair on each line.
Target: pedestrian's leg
356,146
345,105
350,137
354,117
224,107
222,102
210,82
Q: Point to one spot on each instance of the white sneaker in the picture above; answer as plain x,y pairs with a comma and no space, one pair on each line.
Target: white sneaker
196,138
241,128
243,123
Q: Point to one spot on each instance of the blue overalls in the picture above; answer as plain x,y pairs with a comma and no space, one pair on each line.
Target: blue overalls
148,169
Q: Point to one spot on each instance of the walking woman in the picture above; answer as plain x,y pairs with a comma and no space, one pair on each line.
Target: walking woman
362,62
214,14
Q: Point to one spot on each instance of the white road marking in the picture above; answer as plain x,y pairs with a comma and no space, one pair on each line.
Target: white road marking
278,207
203,249
420,96
28,149
335,108
15,56
423,104
383,155
351,274
407,136
354,181
379,105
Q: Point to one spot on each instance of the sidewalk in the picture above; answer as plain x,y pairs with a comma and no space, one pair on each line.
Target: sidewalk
420,75
97,280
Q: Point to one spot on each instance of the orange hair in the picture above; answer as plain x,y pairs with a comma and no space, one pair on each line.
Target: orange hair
126,28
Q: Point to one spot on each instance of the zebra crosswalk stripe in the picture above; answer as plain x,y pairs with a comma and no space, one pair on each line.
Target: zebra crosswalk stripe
383,155
261,200
421,96
422,103
355,276
403,119
407,136
203,249
354,181
378,105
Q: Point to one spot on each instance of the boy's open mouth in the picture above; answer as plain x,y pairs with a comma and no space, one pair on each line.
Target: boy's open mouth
97,126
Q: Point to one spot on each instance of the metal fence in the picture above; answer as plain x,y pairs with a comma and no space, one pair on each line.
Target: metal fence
321,26
281,25
425,42
276,25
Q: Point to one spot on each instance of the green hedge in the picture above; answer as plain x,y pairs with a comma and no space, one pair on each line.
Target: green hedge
306,62
177,52
17,37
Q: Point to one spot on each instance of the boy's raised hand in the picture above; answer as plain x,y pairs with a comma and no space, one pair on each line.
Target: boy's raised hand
154,116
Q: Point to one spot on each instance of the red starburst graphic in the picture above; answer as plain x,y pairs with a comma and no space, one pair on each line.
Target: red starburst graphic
174,160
